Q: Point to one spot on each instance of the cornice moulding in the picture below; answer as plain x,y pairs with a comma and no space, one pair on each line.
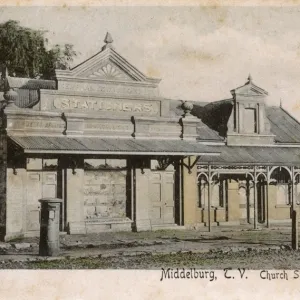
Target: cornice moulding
67,77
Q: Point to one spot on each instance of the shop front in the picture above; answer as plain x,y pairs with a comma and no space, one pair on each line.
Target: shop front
103,141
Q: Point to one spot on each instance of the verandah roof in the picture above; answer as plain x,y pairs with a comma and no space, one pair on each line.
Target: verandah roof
94,145
253,155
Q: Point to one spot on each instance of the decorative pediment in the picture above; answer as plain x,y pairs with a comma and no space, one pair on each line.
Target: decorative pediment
248,124
106,65
109,71
249,89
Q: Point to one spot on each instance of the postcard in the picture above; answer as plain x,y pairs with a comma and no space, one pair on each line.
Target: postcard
149,150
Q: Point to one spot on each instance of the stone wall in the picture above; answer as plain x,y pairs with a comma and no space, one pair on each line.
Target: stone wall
15,203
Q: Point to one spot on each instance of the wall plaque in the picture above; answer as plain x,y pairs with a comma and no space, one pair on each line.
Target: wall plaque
164,128
115,89
44,124
114,127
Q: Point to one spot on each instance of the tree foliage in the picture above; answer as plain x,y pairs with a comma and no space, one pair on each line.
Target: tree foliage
25,52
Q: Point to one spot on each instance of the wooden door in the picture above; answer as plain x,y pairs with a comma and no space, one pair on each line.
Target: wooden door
34,193
168,198
39,185
161,194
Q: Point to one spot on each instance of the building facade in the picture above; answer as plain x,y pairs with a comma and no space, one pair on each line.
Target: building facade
101,138
122,157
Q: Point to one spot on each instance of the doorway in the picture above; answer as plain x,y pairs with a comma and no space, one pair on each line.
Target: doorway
40,184
161,193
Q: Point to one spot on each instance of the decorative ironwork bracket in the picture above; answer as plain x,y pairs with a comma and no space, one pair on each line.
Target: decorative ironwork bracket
164,162
143,167
15,171
191,165
73,166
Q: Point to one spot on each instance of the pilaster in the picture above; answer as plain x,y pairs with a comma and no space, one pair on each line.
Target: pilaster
142,202
190,195
75,210
233,203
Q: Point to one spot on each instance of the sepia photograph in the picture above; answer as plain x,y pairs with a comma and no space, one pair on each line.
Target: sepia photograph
160,138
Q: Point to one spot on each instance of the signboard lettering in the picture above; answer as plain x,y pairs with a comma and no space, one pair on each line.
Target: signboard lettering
142,107
107,126
106,89
43,124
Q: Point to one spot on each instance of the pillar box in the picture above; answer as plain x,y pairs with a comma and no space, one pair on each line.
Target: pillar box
49,229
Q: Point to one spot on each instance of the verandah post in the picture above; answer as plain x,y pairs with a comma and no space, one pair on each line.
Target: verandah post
292,189
267,196
209,198
255,199
294,230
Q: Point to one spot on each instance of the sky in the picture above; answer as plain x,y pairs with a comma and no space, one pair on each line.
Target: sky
199,52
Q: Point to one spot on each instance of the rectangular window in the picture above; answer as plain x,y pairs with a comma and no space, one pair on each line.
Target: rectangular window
222,193
250,122
42,164
94,164
203,193
283,194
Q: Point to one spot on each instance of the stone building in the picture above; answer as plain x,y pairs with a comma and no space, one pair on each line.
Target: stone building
100,137
122,157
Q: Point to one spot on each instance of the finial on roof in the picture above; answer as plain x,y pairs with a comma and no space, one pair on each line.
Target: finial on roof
249,78
108,41
187,108
11,97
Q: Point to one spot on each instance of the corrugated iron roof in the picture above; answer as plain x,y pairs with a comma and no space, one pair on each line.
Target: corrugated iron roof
283,125
206,133
285,128
90,145
31,84
27,89
242,155
27,98
203,130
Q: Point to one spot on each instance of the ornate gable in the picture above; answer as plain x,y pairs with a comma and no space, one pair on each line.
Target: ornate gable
106,65
248,124
249,89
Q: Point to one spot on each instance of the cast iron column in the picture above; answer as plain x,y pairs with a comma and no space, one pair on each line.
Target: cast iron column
255,199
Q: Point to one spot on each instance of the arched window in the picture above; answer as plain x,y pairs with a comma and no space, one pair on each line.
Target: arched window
283,182
218,192
297,189
203,191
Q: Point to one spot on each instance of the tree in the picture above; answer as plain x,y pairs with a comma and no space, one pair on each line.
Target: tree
25,52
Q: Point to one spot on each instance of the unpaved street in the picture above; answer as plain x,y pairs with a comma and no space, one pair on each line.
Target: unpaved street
283,259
